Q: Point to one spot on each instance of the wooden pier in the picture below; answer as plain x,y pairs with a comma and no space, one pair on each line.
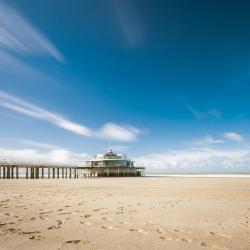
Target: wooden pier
42,171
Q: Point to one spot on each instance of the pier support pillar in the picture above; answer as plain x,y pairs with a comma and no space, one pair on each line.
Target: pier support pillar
27,173
70,170
53,169
12,172
57,173
42,173
37,172
31,173
17,173
49,173
4,172
8,172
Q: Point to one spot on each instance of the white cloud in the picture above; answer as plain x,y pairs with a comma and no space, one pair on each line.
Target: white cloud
61,156
18,35
207,140
232,136
116,132
109,131
203,160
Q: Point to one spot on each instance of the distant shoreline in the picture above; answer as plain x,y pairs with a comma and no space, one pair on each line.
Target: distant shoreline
187,175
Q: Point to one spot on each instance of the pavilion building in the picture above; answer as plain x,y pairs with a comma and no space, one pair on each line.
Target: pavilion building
111,164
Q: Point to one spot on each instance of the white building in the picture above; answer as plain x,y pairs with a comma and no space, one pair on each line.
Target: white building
111,164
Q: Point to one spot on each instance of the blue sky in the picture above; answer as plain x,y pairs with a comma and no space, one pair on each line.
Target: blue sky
166,82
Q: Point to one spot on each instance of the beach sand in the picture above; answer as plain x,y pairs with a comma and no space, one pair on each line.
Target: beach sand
125,213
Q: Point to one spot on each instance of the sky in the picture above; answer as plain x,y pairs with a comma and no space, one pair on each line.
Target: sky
166,82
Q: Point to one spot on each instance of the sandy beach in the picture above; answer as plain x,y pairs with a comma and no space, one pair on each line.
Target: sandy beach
125,213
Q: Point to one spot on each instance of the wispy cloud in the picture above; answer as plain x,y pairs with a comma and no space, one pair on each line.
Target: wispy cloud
202,160
19,36
10,64
39,144
201,115
129,21
195,113
209,140
109,131
233,136
215,113
206,140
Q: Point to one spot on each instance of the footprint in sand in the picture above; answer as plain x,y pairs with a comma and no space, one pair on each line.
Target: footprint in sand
86,223
3,201
54,227
43,218
76,242
87,215
59,222
178,231
186,240
64,213
161,231
46,212
36,237
13,230
138,230
109,227
28,233
164,237
124,222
